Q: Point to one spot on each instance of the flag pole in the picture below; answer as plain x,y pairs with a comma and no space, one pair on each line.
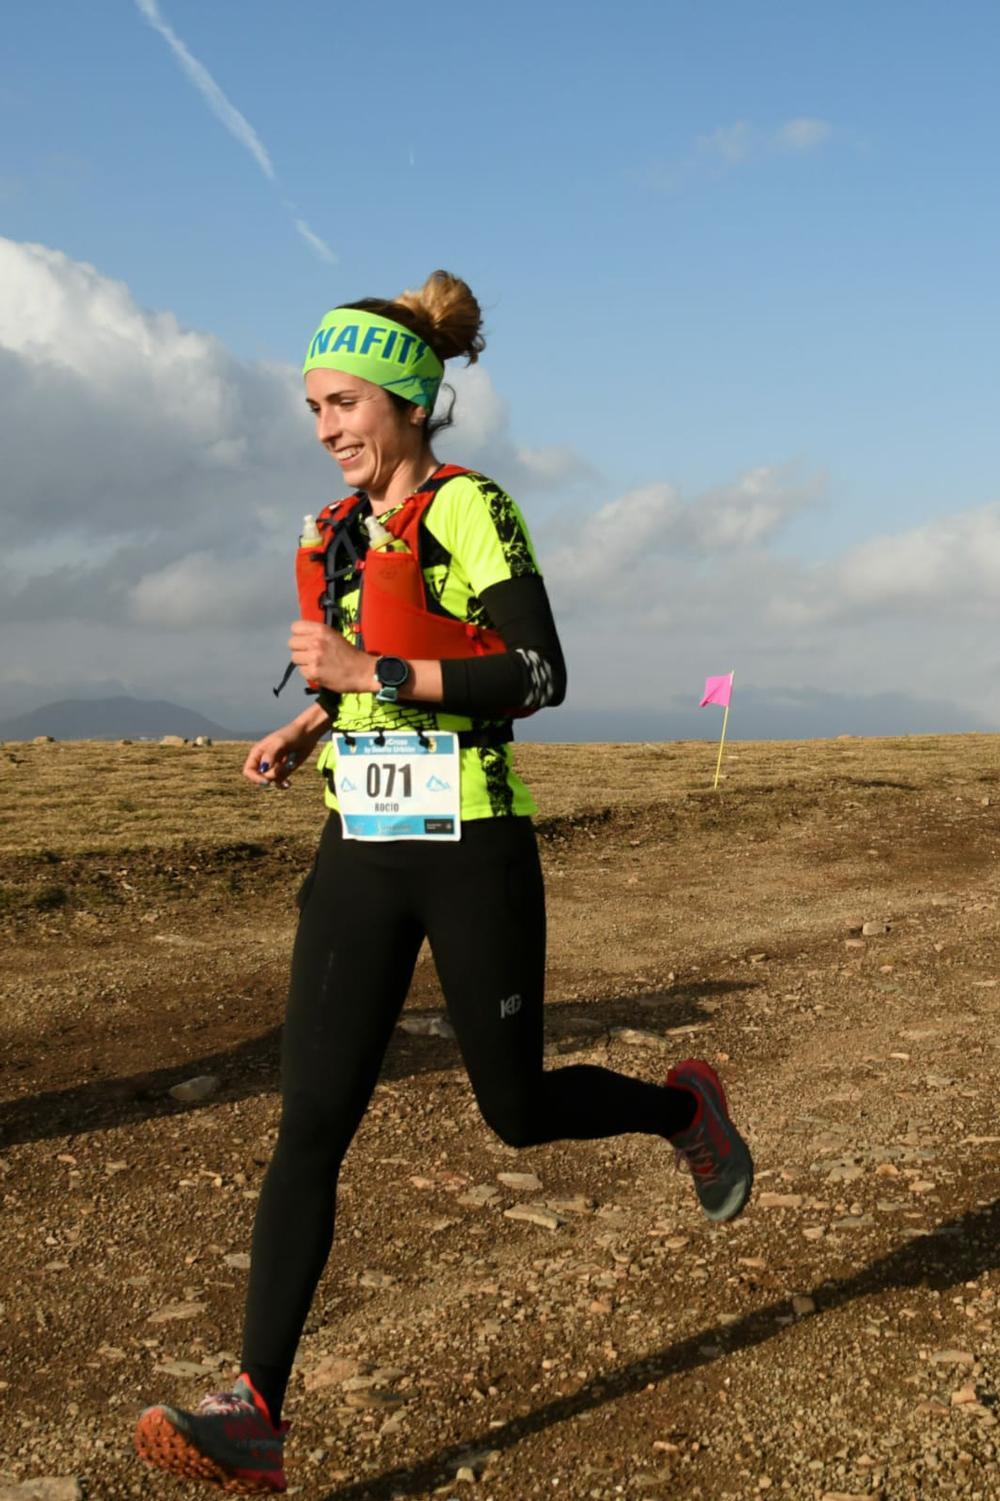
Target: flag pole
722,737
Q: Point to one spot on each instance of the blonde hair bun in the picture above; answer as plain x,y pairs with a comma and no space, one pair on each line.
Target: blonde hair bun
453,317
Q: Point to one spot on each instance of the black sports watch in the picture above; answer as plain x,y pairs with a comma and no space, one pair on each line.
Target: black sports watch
392,673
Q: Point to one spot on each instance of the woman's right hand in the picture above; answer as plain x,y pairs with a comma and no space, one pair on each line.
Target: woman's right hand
273,760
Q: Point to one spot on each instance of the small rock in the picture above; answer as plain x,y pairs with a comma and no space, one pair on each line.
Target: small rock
578,1204
479,1196
174,1311
173,740
330,1371
803,1305
189,1370
202,740
526,1181
191,1091
238,1260
874,929
375,1399
44,740
474,1460
953,1357
964,1395
423,1024
376,1279
636,1037
769,1200
844,1173
534,1214
757,958
49,1488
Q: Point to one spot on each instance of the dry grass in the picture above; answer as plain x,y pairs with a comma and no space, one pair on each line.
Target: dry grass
90,796
149,897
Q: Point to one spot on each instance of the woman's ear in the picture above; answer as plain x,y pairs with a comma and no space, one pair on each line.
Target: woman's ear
418,416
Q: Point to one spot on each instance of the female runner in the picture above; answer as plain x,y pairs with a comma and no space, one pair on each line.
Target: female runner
424,616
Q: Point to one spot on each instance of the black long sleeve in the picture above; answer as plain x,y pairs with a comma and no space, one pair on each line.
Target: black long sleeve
530,675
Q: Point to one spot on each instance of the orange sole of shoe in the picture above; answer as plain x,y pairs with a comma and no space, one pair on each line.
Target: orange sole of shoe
158,1442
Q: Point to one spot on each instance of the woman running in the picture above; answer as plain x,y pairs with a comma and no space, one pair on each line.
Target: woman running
426,629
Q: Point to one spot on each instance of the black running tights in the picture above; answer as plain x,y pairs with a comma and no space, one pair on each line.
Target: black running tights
365,908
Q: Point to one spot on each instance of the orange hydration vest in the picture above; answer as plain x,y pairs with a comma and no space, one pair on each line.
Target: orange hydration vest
394,617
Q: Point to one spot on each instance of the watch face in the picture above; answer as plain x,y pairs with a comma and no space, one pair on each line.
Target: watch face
392,672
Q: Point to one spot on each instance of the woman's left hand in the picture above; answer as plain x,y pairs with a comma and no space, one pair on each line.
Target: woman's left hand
323,656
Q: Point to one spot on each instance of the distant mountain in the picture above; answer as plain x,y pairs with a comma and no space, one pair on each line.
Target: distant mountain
759,714
119,718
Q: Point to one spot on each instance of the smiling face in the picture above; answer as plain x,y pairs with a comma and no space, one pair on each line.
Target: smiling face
361,427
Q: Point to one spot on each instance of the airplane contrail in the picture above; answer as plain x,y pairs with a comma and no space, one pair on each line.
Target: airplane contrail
236,123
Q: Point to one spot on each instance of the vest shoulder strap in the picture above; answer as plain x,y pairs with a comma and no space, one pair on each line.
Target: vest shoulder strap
337,512
405,524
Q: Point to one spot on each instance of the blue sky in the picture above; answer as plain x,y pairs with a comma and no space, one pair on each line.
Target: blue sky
710,239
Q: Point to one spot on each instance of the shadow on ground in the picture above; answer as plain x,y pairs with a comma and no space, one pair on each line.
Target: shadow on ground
955,1252
252,1068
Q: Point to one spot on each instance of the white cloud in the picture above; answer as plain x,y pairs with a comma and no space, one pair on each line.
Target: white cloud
176,475
133,425
641,535
949,564
210,589
481,438
802,134
154,485
730,147
731,143
751,510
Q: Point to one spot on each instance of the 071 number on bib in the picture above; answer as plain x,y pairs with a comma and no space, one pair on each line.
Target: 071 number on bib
399,786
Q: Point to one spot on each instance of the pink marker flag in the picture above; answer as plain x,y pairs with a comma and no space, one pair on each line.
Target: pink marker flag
718,691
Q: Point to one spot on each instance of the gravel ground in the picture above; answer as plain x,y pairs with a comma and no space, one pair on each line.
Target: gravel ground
824,931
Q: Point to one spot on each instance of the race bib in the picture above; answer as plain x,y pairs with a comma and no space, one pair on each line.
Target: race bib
399,785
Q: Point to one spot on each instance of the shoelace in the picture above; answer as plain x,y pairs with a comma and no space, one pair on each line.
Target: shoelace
226,1402
699,1159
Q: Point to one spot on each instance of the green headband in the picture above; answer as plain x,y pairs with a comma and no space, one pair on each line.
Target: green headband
376,349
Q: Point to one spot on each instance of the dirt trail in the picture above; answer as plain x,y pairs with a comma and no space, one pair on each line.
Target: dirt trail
841,1339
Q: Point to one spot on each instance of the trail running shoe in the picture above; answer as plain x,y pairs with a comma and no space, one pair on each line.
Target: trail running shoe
711,1147
229,1441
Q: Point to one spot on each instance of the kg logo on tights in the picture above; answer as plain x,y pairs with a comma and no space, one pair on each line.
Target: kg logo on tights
510,1005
